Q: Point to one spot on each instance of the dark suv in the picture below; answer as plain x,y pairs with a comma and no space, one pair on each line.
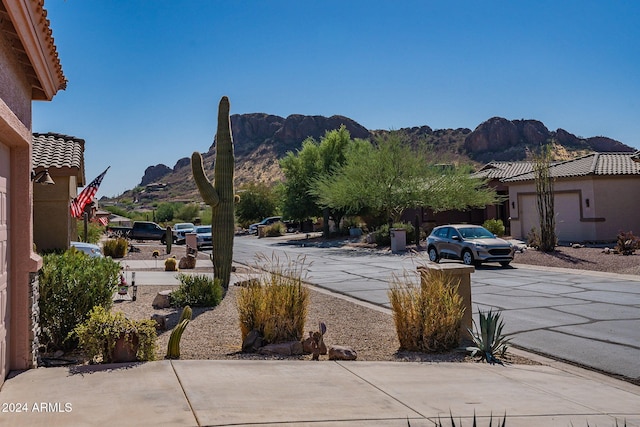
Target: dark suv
472,244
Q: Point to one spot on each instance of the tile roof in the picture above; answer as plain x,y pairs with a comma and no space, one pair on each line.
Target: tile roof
594,164
500,170
56,151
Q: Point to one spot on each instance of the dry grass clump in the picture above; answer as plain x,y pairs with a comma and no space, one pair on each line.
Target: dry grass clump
276,302
428,315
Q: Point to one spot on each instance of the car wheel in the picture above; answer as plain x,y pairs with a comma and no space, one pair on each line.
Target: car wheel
505,264
467,258
433,255
163,241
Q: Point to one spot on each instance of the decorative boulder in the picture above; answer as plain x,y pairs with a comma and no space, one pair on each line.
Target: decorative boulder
162,300
292,348
252,342
187,263
161,321
339,352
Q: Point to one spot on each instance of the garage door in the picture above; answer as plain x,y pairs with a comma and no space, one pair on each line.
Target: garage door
4,261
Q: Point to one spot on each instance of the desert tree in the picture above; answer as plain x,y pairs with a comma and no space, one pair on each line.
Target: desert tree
314,161
545,198
388,176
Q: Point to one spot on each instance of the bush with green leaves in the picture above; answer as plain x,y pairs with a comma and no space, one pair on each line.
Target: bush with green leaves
94,232
188,212
197,290
382,237
488,339
257,201
115,248
70,285
99,333
427,316
496,226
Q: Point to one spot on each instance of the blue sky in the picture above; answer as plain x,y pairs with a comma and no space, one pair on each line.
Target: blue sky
145,77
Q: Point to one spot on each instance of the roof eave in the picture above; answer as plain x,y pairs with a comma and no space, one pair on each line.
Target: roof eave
32,27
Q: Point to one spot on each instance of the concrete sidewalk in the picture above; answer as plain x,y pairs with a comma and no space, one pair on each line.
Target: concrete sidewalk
237,392
324,393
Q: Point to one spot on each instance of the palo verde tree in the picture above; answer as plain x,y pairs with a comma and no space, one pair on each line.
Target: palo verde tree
314,161
545,198
389,176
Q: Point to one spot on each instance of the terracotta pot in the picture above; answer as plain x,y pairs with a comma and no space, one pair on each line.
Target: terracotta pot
125,351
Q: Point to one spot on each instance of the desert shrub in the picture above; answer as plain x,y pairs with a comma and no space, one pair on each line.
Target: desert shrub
70,285
188,212
94,231
496,226
99,333
276,303
115,248
627,243
197,290
533,238
427,316
274,230
382,237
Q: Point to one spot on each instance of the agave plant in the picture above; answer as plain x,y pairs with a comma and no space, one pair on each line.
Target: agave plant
489,340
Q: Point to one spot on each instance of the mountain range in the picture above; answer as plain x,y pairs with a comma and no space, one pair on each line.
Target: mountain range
260,140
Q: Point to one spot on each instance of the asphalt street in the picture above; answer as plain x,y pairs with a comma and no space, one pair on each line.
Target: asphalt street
589,318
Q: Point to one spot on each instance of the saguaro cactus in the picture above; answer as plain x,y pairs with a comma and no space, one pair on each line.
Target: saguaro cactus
219,195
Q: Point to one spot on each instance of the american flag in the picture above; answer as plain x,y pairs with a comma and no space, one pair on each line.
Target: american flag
103,220
86,196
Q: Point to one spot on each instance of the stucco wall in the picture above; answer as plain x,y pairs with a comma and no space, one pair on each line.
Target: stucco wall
53,227
618,201
15,90
587,209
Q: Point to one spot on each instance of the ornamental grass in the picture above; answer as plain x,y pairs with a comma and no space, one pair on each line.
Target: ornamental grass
275,303
428,314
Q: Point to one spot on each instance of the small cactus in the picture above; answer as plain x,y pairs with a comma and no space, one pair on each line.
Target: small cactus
173,347
220,195
168,239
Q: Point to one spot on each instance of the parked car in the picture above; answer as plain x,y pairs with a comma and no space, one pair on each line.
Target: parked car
141,230
179,231
253,228
90,249
203,236
472,244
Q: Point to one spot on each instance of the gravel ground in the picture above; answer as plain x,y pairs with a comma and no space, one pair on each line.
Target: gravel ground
215,333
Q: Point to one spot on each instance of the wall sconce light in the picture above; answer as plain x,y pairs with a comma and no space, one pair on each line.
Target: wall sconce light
42,177
586,202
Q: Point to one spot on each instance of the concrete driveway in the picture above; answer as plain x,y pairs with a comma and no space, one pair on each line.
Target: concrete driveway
589,318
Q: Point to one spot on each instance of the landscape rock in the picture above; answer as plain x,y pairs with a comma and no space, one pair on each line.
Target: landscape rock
252,342
341,352
162,300
291,348
187,263
161,321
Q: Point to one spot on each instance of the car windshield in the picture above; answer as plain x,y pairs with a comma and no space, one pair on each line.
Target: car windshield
202,230
475,233
183,226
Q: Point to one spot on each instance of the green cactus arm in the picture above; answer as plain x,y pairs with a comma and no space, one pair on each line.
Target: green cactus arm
206,189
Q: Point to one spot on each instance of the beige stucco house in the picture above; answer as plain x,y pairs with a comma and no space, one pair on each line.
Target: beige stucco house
596,197
29,70
63,157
